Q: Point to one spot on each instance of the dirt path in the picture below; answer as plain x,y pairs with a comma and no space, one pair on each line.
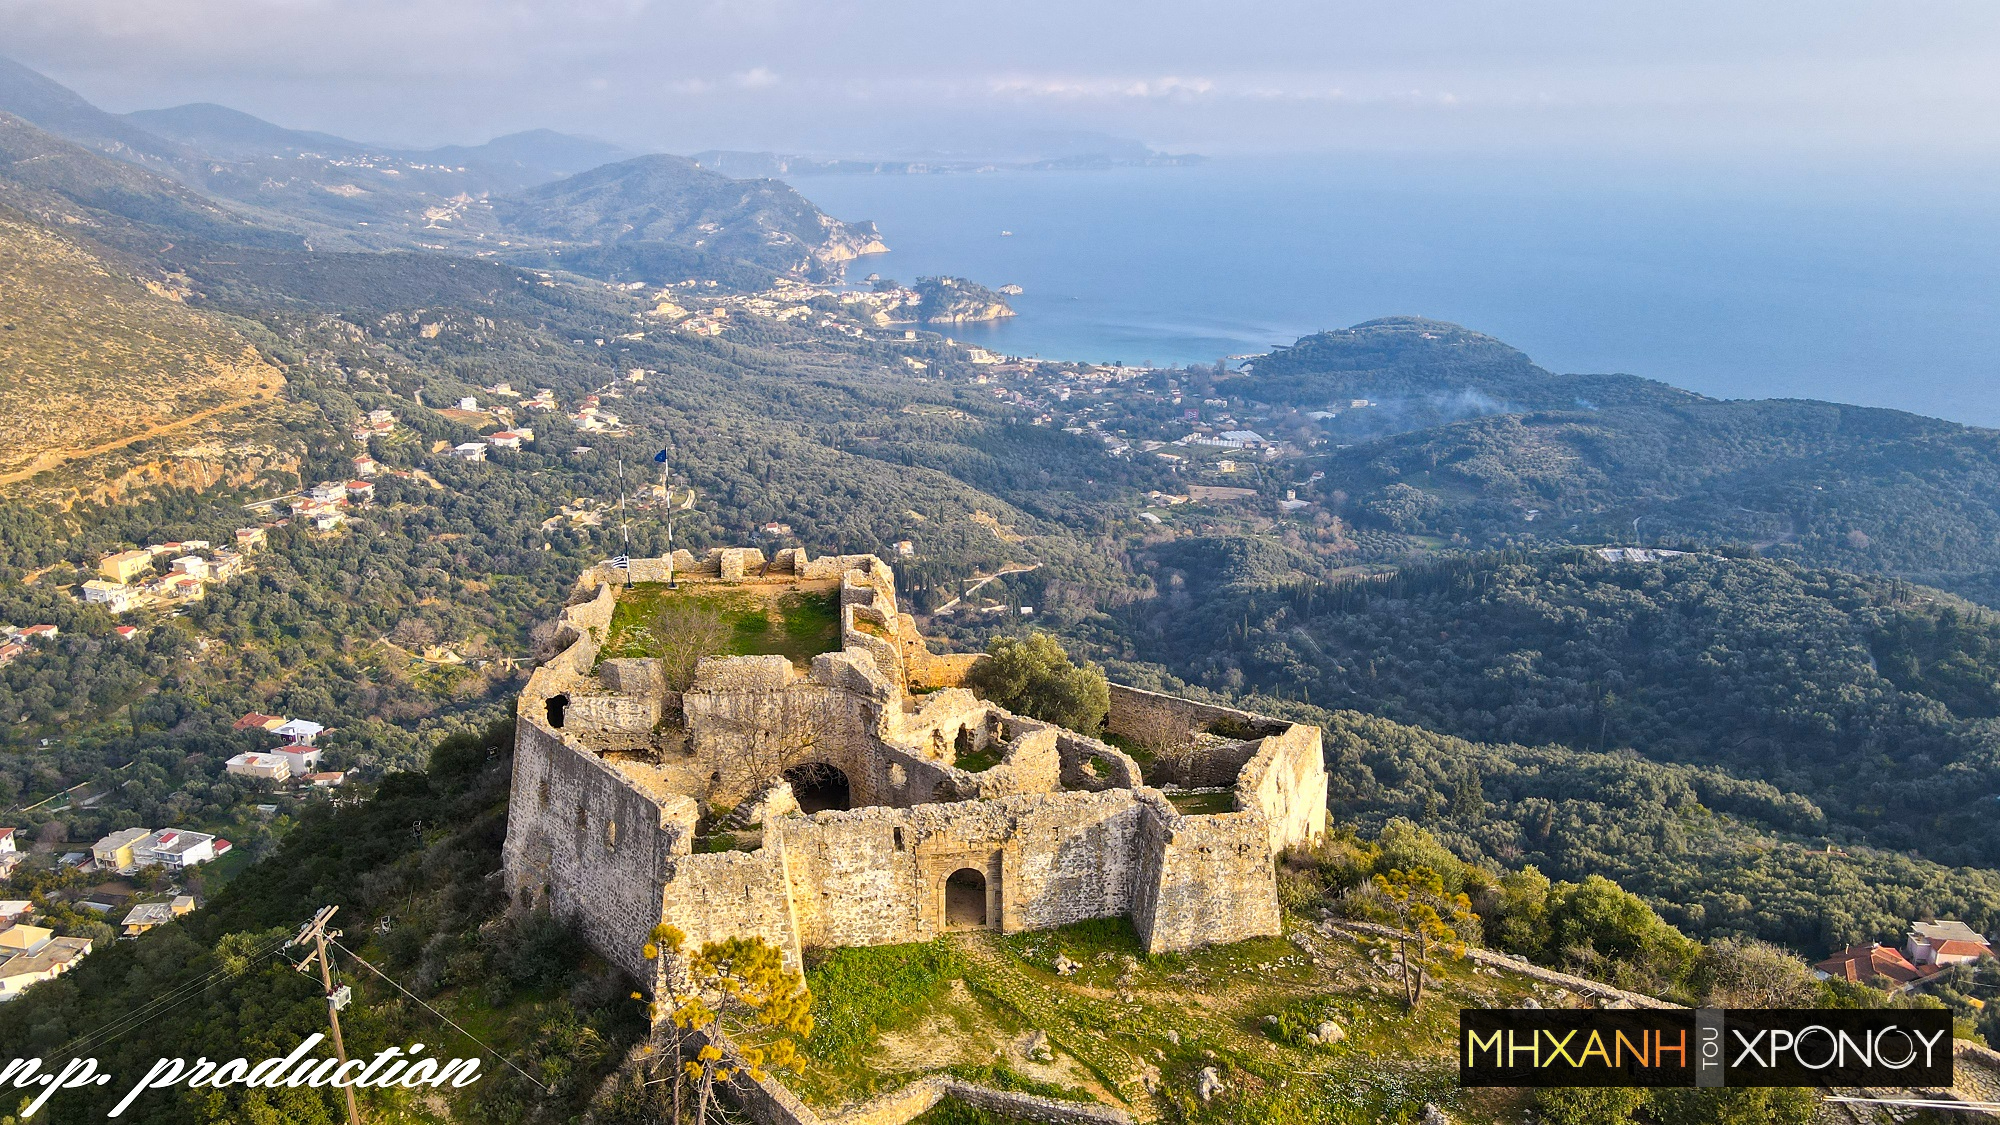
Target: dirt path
974,588
56,457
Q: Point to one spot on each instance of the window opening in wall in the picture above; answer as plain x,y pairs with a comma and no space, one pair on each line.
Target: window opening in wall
899,839
610,835
557,704
582,815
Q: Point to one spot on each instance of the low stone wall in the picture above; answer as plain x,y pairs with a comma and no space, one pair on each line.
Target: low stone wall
1090,765
1514,964
769,1102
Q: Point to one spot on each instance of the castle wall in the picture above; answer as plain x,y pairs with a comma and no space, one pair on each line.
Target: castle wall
1086,764
1061,828
730,894
1286,781
584,842
1048,859
1209,879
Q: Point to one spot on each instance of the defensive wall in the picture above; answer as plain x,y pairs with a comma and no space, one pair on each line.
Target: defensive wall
635,804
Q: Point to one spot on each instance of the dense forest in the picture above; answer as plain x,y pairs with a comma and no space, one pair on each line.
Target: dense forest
1871,701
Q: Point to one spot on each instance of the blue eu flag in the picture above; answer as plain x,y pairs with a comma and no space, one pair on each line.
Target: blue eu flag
660,458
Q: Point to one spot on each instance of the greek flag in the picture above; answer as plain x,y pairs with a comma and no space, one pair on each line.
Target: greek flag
622,562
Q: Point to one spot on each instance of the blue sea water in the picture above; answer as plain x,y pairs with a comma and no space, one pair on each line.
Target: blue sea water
1878,287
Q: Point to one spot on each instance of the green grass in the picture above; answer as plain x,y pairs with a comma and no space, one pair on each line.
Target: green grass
796,624
861,991
1200,804
982,759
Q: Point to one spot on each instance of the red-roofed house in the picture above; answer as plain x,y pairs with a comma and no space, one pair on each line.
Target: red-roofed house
126,632
1945,943
360,492
257,720
40,632
1864,964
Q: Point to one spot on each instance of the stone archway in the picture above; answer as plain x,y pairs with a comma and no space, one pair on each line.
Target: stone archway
818,787
965,900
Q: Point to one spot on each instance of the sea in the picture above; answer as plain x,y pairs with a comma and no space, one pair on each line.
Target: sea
1878,285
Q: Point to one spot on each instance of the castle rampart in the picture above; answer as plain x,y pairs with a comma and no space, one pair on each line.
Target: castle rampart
862,795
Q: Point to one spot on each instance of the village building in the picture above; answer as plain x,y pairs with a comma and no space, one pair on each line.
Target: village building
115,852
177,848
115,597
263,767
250,539
124,566
1944,943
147,915
1872,963
30,955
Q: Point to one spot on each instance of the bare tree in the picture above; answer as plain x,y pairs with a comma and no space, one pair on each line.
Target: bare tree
736,756
414,632
683,633
1169,736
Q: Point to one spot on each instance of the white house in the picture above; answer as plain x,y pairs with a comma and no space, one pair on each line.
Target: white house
174,848
113,596
470,451
298,732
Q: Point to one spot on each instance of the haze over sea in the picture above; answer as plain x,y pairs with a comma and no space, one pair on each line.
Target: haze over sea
1879,287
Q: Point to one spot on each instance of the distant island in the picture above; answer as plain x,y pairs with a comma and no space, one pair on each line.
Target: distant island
744,165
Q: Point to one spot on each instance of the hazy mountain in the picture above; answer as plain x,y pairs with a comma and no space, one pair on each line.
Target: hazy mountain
230,134
53,107
66,186
542,153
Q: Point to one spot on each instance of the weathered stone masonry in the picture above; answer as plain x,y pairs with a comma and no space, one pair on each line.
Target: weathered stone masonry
605,806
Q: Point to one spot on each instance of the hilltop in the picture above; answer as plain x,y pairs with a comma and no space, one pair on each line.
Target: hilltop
97,359
655,216
535,198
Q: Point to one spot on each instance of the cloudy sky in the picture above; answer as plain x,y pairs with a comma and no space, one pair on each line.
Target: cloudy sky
1784,78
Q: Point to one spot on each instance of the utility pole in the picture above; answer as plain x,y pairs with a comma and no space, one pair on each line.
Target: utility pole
316,932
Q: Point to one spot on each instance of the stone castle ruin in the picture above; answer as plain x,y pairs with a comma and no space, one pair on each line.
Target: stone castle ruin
860,795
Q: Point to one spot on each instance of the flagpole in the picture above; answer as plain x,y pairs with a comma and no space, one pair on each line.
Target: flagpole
667,517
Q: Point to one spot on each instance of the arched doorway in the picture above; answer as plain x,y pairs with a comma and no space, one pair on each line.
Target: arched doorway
818,787
965,900
557,704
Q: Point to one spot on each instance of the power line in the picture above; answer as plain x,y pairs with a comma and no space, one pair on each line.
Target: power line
433,1011
169,1000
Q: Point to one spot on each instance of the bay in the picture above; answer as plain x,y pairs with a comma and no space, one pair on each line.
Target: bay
1873,286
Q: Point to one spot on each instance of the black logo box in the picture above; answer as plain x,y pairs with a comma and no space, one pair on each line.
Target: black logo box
1705,1047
